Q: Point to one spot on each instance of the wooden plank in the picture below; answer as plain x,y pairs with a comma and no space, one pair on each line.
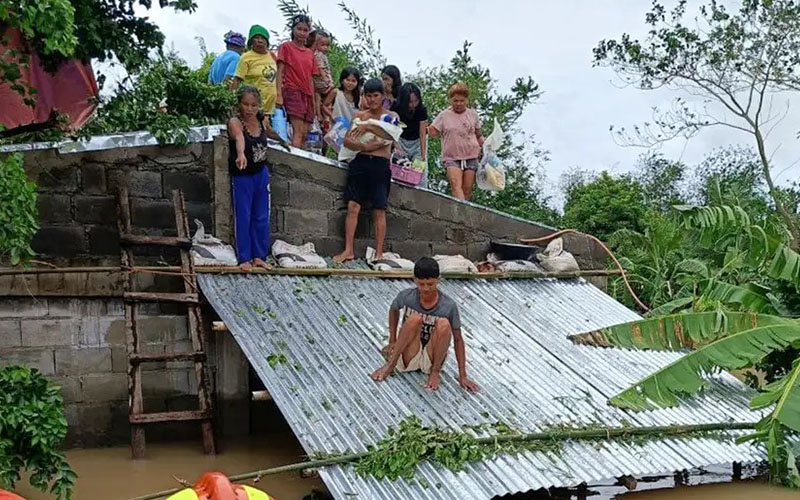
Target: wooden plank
169,416
162,241
170,356
185,298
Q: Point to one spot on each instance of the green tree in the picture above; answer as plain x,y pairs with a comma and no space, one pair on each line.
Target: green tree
32,429
19,211
729,326
738,60
660,180
604,205
165,97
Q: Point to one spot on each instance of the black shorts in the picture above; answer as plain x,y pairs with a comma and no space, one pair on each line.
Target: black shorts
368,181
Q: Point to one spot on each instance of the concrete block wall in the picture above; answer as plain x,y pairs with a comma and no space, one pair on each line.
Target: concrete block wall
77,196
79,344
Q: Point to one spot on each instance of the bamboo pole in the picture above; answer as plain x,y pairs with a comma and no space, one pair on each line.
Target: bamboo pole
560,435
368,273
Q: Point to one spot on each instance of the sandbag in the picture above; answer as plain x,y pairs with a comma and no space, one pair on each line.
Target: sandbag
297,257
210,251
511,265
455,264
555,259
390,262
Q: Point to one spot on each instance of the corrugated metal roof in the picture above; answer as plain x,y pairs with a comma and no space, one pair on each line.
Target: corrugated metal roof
531,377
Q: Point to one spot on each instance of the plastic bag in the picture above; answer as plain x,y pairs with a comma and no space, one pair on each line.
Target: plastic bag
280,124
491,174
555,259
314,138
335,136
210,251
297,257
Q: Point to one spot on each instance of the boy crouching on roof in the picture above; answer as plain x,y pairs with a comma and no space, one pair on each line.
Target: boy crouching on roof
430,320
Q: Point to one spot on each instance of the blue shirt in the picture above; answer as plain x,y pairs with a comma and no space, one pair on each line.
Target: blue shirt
224,65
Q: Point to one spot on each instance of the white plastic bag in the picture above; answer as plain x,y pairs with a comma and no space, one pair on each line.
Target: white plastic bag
210,251
555,259
491,174
297,257
390,262
335,136
455,264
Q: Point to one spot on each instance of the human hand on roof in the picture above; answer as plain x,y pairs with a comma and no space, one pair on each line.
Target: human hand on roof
468,384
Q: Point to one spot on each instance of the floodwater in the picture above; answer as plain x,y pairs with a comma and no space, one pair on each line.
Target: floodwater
111,474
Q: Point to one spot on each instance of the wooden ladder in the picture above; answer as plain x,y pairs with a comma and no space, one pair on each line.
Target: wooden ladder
131,297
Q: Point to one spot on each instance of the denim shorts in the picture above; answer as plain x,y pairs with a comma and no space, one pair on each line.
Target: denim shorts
463,164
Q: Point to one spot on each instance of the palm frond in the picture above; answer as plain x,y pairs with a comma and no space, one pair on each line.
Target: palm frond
684,377
676,331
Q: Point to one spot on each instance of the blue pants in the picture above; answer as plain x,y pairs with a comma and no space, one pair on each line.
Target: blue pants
250,194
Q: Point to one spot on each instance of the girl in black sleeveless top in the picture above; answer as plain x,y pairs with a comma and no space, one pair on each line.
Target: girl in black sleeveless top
247,162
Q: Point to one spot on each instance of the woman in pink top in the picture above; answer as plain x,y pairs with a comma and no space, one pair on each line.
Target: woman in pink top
295,84
460,130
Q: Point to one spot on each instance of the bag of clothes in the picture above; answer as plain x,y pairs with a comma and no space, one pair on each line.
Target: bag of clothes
491,175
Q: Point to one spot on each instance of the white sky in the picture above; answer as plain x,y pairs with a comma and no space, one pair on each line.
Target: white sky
550,40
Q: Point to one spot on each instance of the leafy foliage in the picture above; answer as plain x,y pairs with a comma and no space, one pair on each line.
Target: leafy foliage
32,428
605,205
166,98
19,212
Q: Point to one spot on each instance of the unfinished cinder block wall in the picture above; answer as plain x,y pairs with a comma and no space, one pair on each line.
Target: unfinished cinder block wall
70,325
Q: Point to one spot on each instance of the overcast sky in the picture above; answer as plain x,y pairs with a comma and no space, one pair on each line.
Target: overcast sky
550,40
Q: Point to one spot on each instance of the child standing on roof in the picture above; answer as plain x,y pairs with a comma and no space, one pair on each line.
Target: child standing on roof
296,69
428,321
460,130
257,68
320,42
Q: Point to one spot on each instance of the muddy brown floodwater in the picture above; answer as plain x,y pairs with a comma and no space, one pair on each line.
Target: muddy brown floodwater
110,474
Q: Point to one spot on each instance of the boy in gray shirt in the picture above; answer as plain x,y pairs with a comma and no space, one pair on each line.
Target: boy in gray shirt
429,321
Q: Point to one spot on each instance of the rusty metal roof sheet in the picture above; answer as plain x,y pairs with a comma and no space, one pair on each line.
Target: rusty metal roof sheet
531,377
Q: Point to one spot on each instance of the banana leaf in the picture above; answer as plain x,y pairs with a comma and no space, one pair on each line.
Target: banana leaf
784,393
749,296
670,307
684,377
676,331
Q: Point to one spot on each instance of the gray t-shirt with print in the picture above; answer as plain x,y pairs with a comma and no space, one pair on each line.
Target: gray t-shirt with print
408,301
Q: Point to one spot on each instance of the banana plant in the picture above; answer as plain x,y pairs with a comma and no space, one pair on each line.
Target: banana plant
738,334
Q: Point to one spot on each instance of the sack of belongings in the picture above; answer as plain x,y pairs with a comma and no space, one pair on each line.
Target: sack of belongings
455,264
555,259
210,251
297,257
389,262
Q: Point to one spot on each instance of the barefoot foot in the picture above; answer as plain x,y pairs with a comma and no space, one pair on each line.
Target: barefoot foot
260,263
343,257
246,266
